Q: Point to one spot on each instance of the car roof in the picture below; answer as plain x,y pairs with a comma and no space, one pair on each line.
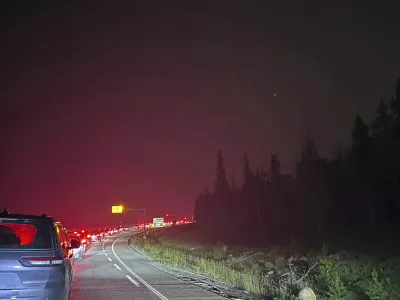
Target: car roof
42,217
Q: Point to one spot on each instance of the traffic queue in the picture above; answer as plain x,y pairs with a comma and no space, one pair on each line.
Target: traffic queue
87,236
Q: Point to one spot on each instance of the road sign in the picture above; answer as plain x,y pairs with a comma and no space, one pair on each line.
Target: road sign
158,222
117,209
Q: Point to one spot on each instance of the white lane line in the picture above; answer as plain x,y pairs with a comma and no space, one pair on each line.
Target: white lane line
109,259
157,293
117,267
105,254
131,280
104,250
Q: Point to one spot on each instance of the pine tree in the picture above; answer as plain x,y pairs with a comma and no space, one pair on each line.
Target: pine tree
309,151
381,125
221,183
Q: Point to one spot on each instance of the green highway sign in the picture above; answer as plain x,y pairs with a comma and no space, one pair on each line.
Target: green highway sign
158,222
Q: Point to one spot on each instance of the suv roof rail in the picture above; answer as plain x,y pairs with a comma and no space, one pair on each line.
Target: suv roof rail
5,212
45,215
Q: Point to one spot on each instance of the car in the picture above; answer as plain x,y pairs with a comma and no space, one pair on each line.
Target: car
94,235
78,252
83,234
36,260
109,231
99,235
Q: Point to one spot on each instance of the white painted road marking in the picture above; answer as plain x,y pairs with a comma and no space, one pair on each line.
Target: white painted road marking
131,280
117,267
109,259
161,296
105,254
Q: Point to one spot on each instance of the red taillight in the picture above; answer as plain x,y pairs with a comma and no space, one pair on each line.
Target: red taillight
88,236
40,261
83,241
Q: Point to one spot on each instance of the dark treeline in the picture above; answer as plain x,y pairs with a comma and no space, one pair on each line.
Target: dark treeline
356,194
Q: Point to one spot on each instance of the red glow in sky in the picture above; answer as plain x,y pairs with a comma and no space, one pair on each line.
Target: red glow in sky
103,105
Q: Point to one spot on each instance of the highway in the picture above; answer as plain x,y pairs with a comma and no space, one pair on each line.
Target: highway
112,270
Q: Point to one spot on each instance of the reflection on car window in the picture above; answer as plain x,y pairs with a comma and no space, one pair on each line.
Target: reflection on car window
16,235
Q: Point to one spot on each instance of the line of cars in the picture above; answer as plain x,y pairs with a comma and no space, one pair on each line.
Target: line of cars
37,255
87,236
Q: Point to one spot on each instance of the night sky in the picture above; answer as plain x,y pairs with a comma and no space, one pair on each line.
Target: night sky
129,104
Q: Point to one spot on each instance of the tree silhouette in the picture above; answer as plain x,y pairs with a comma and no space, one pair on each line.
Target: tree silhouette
360,131
383,120
356,192
309,151
221,184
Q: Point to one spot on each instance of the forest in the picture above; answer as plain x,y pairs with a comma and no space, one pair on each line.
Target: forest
352,198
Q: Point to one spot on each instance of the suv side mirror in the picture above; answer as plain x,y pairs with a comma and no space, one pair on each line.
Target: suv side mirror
75,244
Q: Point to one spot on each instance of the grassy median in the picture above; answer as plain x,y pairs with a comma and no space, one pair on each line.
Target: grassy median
277,273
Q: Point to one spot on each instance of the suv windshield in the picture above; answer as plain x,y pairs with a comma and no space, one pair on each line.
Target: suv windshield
16,234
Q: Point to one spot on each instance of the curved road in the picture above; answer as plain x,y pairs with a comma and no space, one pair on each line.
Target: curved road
112,270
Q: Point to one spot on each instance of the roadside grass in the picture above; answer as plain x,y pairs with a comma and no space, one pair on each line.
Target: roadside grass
251,280
277,273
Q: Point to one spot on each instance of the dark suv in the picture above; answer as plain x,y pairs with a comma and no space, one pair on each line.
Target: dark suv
35,258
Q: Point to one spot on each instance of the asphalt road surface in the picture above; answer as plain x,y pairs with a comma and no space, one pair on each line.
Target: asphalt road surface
111,270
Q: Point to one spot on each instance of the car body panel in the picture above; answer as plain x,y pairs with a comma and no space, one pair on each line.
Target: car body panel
40,267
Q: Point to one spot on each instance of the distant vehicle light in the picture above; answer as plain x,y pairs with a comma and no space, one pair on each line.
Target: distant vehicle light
83,241
88,236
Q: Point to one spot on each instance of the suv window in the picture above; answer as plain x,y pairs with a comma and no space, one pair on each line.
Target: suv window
15,234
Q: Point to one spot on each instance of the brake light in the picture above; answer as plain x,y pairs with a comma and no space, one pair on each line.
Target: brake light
88,236
40,261
83,241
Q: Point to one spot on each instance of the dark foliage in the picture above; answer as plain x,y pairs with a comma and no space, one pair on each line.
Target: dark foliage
356,194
